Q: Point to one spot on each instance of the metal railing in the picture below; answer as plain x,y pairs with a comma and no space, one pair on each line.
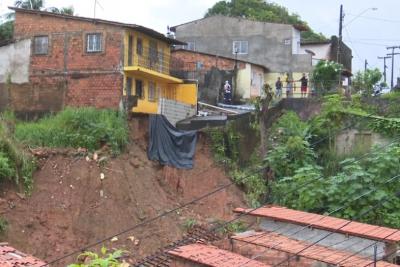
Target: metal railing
149,58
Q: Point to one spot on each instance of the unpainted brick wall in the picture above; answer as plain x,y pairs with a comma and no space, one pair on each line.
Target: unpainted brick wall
175,111
91,79
186,60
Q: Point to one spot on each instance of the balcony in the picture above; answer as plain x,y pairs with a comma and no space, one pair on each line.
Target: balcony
151,63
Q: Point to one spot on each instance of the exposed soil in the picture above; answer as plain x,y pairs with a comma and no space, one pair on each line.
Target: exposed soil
72,207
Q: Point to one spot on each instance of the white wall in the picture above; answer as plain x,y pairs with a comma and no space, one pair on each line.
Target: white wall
296,42
321,51
14,62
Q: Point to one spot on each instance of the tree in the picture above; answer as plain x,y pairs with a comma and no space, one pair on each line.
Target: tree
326,75
262,11
6,31
364,81
30,4
64,10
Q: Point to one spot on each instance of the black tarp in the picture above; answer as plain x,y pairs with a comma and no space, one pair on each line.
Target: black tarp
169,145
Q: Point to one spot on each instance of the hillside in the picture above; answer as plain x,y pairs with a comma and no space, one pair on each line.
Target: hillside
66,210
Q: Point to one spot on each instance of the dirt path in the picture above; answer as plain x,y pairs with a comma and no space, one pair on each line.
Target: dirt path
71,206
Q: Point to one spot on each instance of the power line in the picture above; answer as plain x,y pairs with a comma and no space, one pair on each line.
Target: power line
289,192
311,224
331,233
181,207
376,18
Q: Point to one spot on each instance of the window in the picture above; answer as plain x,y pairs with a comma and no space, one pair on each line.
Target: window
41,45
128,86
139,88
153,53
240,47
130,48
94,42
287,41
139,46
190,46
152,91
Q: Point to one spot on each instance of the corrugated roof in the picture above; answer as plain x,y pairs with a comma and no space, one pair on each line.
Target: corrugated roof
316,252
151,32
328,223
213,256
10,257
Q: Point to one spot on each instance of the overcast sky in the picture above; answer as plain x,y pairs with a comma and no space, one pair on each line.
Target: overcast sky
367,34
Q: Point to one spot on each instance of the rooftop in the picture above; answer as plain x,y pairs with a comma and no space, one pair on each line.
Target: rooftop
316,252
298,27
136,27
327,223
10,257
213,256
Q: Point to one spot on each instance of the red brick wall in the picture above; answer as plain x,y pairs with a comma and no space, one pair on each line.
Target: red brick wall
100,91
186,60
92,79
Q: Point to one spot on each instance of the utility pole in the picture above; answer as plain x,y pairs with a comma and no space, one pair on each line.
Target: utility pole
365,65
384,66
392,55
340,34
338,59
94,9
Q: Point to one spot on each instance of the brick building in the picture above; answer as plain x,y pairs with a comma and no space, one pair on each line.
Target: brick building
78,61
212,71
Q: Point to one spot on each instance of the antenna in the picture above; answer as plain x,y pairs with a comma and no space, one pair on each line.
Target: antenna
96,3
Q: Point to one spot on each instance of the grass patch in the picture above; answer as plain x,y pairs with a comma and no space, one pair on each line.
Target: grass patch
15,164
76,127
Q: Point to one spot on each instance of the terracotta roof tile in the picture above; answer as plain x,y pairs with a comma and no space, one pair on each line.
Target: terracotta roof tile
328,223
213,256
315,252
10,257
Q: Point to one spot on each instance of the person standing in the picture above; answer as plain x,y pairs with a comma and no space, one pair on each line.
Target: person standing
278,86
289,87
227,93
304,85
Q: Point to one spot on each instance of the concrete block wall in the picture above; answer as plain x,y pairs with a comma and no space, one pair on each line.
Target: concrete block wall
175,111
336,240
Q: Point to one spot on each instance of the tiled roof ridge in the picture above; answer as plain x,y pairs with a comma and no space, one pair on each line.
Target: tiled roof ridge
325,222
316,252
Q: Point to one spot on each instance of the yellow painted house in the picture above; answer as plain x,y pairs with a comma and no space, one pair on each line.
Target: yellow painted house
147,75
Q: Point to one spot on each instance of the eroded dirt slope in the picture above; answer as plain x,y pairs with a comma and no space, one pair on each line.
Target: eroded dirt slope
71,206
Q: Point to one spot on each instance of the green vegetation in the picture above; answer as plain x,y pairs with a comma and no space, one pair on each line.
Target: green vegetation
262,11
233,227
15,163
84,127
6,31
3,225
189,224
326,75
364,81
302,169
105,259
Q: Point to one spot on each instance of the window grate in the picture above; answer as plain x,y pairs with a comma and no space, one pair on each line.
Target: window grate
41,45
94,43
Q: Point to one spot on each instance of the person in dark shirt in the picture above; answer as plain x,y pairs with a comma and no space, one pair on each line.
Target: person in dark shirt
278,86
304,84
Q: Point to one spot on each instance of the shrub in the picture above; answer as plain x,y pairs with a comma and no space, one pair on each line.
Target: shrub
15,163
105,259
83,127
